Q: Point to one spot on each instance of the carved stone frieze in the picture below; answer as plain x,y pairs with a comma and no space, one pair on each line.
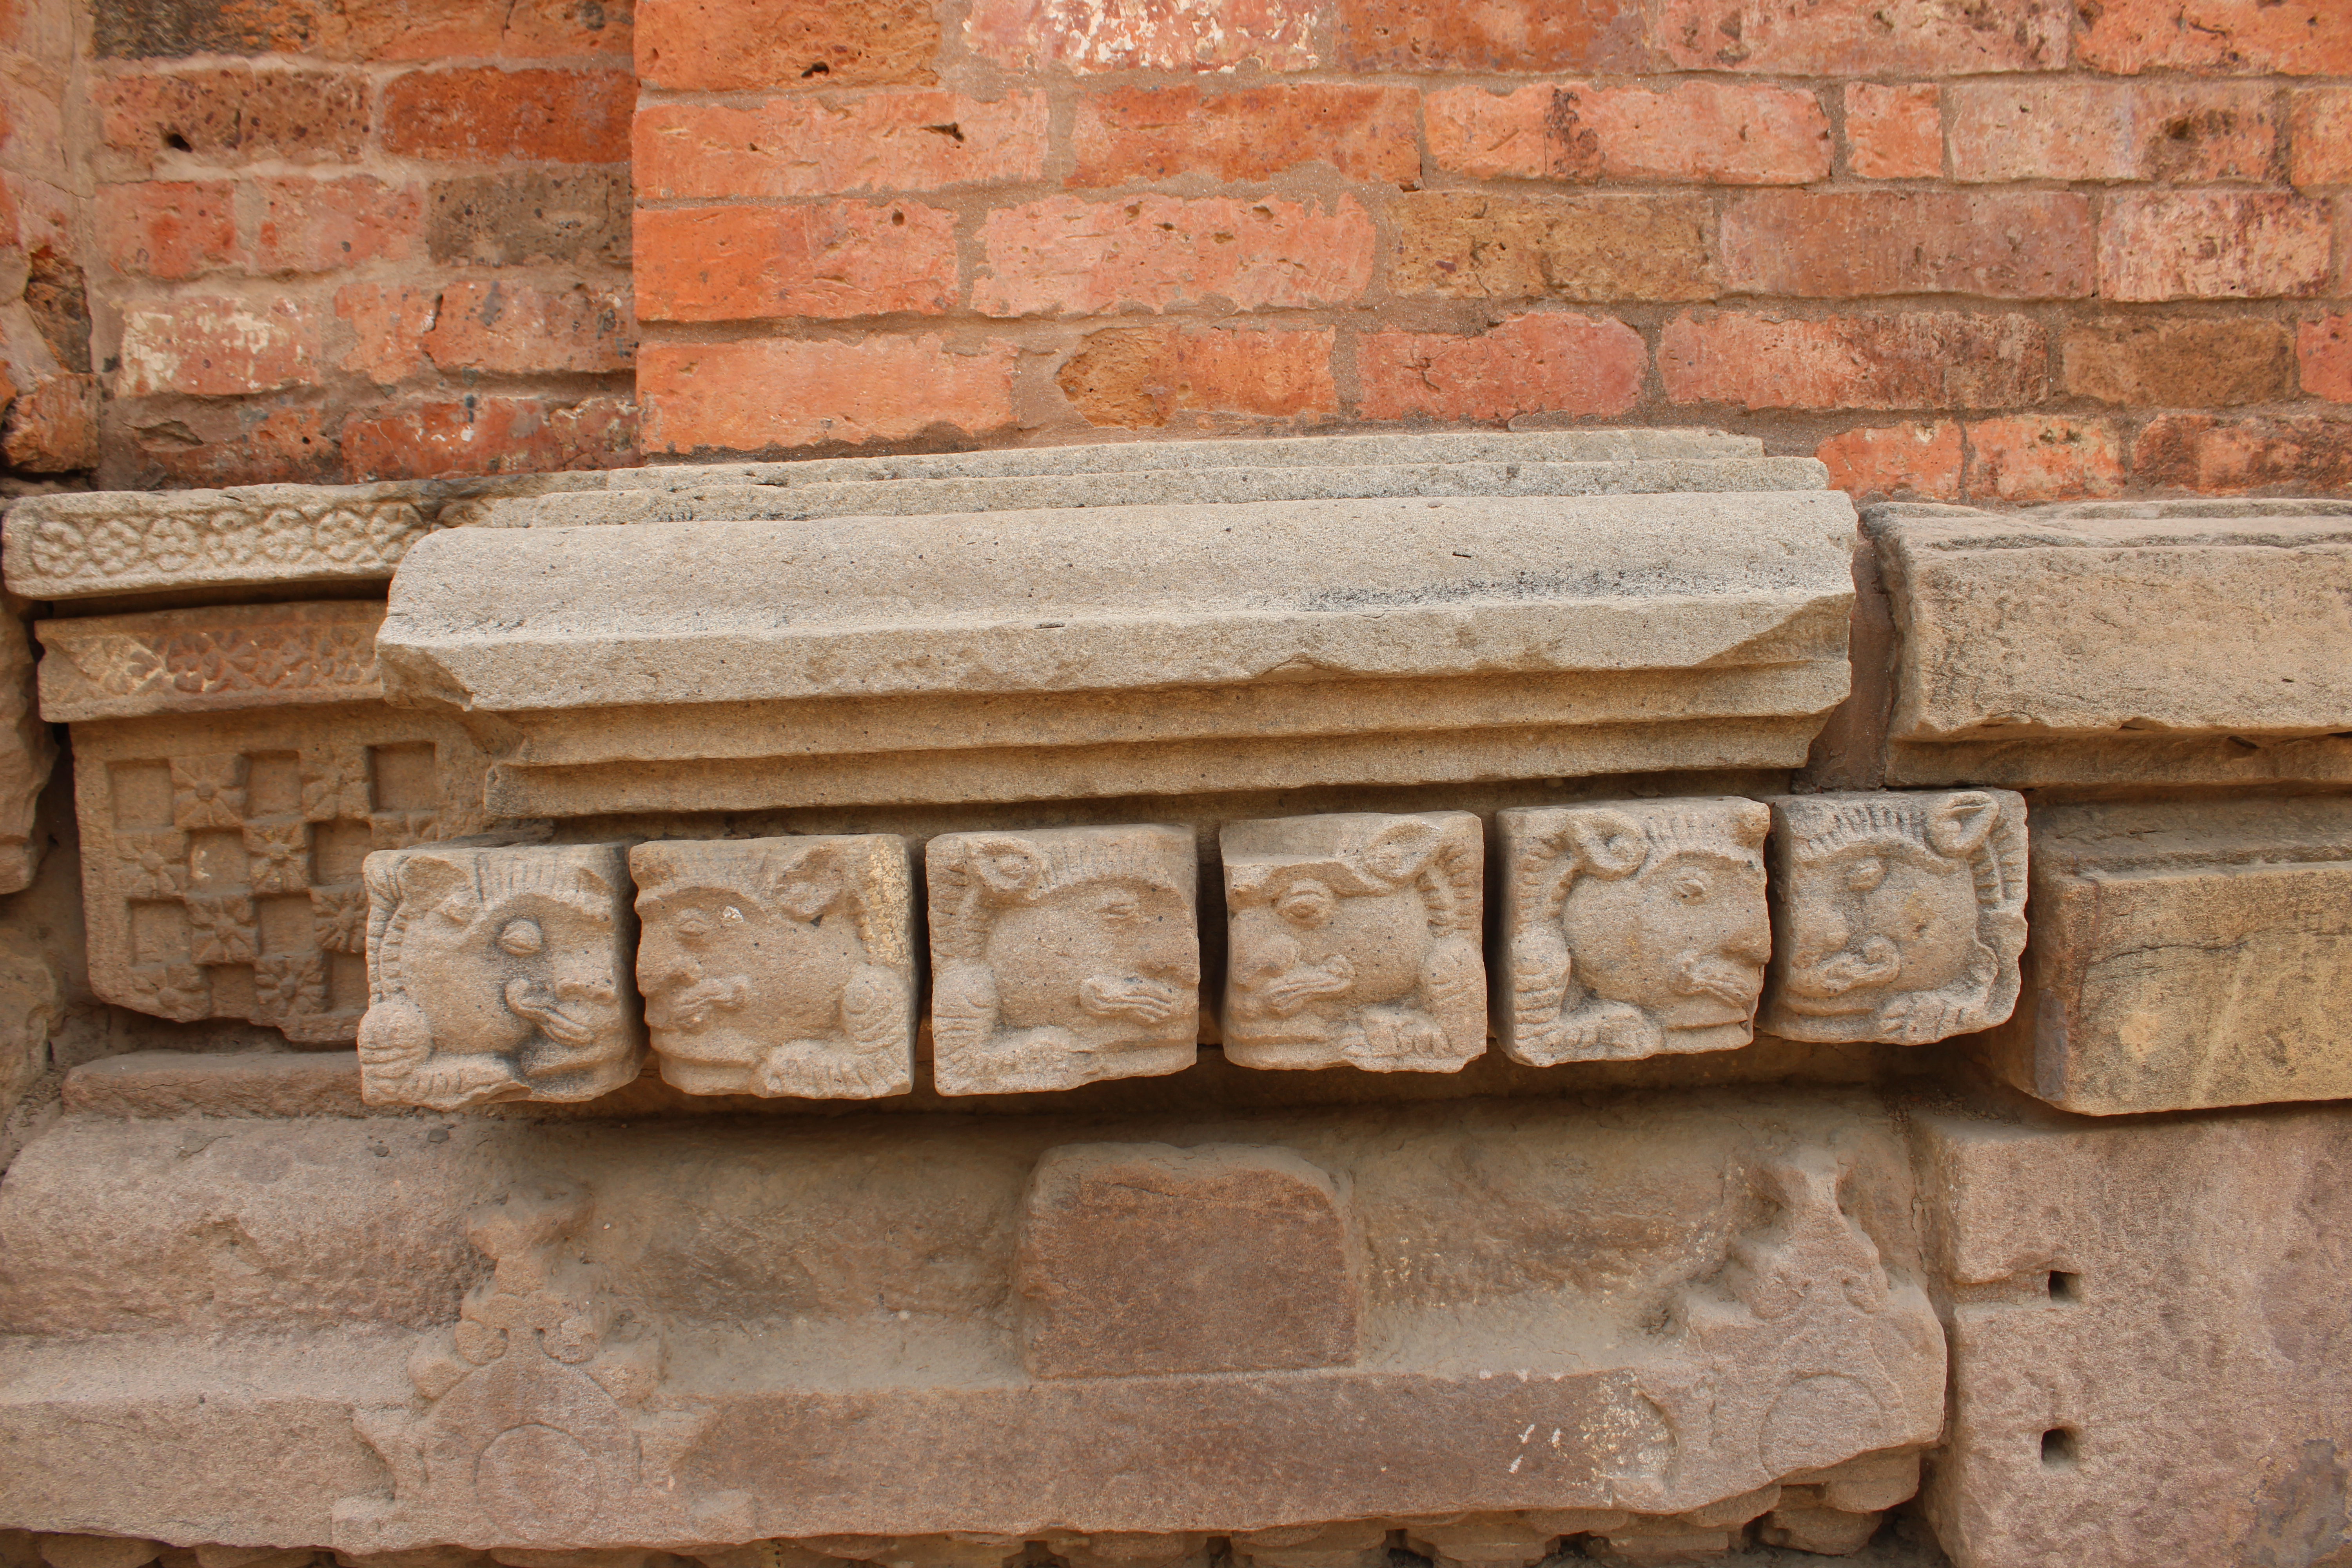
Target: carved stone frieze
1355,938
221,855
1896,915
498,974
26,755
194,661
1631,928
1061,956
779,966
75,546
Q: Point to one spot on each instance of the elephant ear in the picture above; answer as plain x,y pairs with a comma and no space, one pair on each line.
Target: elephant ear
810,887
1607,844
1006,864
1397,853
1960,824
439,884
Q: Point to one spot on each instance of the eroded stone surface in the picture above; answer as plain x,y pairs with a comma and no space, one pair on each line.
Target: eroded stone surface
2186,954
1631,928
498,974
1140,1258
779,966
194,661
1061,956
1355,938
26,755
1896,915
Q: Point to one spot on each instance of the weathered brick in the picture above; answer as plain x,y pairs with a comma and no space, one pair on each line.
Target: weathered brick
1505,36
2320,132
1927,359
235,114
388,323
723,46
531,214
1894,132
2032,459
810,145
831,260
2303,454
167,228
449,438
1527,364
1069,255
520,329
58,299
318,226
1142,377
1707,132
52,427
152,30
1145,35
2296,38
1919,462
2323,350
1842,245
32,122
1592,248
243,442
360,29
217,347
763,393
2208,245
2076,130
483,114
2165,363
1134,134
1863,37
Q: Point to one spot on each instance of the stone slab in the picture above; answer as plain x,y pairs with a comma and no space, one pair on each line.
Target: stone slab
145,1084
2186,954
26,755
209,660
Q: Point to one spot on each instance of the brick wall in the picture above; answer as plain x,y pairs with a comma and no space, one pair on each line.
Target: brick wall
49,424
359,240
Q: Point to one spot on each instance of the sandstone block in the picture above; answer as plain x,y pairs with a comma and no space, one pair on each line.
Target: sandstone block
198,661
498,974
1142,1258
1062,957
1631,928
140,1084
1895,916
32,1004
2185,955
749,989
1355,938
77,546
26,755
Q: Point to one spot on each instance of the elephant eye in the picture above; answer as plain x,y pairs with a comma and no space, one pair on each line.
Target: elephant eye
1693,886
1863,876
522,938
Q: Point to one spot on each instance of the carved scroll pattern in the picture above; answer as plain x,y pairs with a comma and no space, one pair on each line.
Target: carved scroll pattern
342,538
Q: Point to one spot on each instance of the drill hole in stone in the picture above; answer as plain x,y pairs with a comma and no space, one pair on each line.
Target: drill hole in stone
2065,1287
2060,1450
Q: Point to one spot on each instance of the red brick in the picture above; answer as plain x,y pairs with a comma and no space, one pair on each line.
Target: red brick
32,123
810,145
167,228
53,427
1023,36
235,114
486,115
2007,246
1073,256
2171,362
209,445
1894,132
447,29
1863,38
1144,377
318,225
1134,134
2320,129
2323,351
760,393
1529,364
1706,131
2074,129
1921,461
388,326
1466,245
452,437
835,260
1929,359
2183,244
1428,36
2032,459
519,329
2295,37
212,347
2301,454
724,46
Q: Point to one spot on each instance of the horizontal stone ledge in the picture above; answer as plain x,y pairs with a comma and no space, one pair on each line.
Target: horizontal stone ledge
209,660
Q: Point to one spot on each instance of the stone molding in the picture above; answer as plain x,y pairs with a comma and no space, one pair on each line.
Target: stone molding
208,660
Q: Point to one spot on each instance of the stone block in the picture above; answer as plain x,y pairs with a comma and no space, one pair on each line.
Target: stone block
776,966
498,974
1105,651
1896,915
1062,957
1354,940
1142,1258
221,853
206,660
2185,955
81,545
139,1084
1631,928
26,755
32,1004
